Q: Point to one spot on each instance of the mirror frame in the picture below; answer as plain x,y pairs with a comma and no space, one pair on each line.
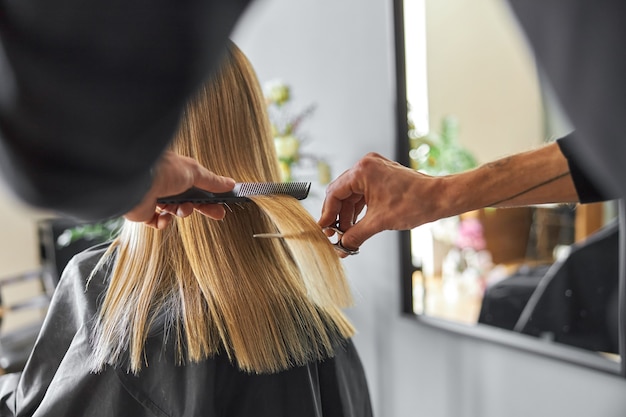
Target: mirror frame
481,331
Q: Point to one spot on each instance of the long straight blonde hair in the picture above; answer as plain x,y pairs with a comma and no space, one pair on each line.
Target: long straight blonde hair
268,304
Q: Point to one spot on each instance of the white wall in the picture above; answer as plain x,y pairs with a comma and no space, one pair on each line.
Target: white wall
19,252
480,71
339,54
18,242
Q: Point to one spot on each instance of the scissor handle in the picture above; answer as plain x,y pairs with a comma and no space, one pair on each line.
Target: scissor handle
338,245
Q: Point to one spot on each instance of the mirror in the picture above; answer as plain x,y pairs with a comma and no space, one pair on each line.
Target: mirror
469,93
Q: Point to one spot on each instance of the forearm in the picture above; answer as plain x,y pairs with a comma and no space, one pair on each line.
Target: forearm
535,177
399,198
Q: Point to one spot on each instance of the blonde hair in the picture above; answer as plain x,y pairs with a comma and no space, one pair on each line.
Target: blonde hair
269,304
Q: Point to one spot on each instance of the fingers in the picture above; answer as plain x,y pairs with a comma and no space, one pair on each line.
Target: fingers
166,213
346,215
180,210
342,204
364,185
207,180
338,193
160,220
175,174
214,211
356,235
349,242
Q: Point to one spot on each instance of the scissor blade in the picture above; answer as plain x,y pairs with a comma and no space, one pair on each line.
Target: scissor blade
268,235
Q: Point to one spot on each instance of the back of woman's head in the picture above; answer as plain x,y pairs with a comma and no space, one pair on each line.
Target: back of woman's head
268,304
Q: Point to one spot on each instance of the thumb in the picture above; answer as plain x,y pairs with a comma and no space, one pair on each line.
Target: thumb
355,236
210,181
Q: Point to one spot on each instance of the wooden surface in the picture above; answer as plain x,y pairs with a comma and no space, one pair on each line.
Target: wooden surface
589,219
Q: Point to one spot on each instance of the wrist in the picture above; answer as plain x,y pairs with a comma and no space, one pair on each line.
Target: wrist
459,193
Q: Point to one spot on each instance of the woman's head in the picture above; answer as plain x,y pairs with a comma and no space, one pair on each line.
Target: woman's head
267,303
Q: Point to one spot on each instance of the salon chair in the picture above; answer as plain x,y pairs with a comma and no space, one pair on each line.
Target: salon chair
575,303
504,301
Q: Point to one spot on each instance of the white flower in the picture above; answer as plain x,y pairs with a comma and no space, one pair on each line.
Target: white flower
287,147
276,92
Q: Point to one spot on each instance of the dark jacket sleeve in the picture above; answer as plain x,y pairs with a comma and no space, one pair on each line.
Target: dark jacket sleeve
579,46
587,191
91,92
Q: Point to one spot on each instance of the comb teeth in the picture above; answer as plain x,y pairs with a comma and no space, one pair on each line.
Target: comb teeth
298,190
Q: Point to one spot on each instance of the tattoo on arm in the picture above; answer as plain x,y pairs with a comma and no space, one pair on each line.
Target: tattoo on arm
534,187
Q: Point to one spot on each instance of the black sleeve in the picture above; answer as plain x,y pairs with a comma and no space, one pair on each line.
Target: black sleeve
579,46
91,93
587,191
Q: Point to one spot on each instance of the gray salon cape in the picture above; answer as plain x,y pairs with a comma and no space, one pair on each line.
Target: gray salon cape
57,381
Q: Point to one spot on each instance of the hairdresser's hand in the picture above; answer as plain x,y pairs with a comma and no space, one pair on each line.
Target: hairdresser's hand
175,174
395,198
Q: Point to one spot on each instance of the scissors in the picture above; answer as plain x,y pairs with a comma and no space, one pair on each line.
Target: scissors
338,245
334,227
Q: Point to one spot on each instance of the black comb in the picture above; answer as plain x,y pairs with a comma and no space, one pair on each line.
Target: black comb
241,192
